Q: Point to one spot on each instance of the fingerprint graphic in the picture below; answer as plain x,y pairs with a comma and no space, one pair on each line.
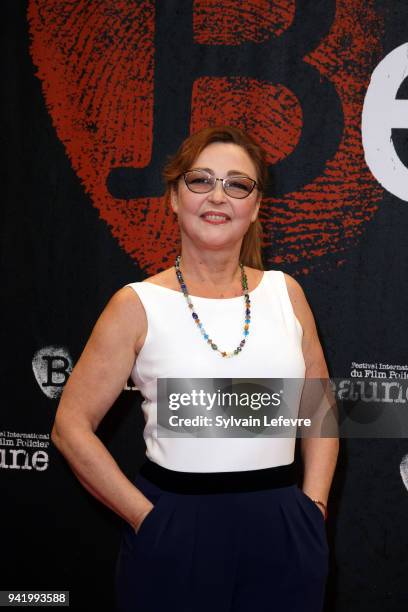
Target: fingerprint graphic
96,62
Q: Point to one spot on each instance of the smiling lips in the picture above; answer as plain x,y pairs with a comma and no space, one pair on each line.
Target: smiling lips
215,218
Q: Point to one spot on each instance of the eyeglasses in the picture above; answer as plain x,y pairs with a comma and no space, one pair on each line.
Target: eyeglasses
201,181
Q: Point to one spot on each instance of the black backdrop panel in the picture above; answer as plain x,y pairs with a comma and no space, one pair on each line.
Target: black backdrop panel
95,96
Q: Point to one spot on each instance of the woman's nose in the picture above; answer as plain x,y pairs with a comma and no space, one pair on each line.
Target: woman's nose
217,194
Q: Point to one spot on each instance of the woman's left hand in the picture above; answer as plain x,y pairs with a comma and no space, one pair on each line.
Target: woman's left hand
321,510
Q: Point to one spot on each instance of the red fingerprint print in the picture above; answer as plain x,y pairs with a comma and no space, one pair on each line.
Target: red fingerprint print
232,22
328,215
271,113
96,62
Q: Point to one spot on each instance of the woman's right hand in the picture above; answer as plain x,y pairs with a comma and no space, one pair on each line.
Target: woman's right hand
142,518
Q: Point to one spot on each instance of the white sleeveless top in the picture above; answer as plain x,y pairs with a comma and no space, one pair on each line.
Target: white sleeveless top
174,348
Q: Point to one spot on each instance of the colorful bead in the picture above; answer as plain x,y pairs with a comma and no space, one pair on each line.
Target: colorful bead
247,301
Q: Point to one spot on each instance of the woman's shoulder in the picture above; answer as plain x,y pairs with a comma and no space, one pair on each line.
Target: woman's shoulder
292,289
298,300
293,285
166,278
127,301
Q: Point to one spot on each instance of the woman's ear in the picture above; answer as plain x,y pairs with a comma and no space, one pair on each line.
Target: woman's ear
256,210
174,199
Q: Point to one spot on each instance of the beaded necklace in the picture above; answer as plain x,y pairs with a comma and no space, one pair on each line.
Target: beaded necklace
247,303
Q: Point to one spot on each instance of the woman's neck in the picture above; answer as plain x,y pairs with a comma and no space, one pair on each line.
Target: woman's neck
214,274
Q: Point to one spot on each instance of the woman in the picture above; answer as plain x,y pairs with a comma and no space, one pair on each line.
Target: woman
210,523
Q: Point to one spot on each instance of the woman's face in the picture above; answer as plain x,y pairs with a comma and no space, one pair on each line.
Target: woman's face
215,220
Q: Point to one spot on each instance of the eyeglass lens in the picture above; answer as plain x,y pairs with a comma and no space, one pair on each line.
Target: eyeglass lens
200,181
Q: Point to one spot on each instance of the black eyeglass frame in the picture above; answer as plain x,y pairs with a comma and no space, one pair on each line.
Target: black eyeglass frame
227,178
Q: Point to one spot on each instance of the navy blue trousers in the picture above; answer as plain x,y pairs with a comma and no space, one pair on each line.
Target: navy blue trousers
263,550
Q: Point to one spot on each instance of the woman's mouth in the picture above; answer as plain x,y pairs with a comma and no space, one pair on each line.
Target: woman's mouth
215,218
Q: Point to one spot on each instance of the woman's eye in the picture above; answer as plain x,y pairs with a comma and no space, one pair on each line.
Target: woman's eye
199,180
241,185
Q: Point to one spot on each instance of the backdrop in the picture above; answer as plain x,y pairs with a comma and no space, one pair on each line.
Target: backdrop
96,95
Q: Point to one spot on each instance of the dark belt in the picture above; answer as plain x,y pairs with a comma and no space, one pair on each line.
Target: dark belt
218,482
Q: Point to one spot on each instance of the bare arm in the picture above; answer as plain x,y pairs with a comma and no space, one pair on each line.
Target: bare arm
94,384
319,454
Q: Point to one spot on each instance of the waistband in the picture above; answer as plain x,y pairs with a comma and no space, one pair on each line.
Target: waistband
218,482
